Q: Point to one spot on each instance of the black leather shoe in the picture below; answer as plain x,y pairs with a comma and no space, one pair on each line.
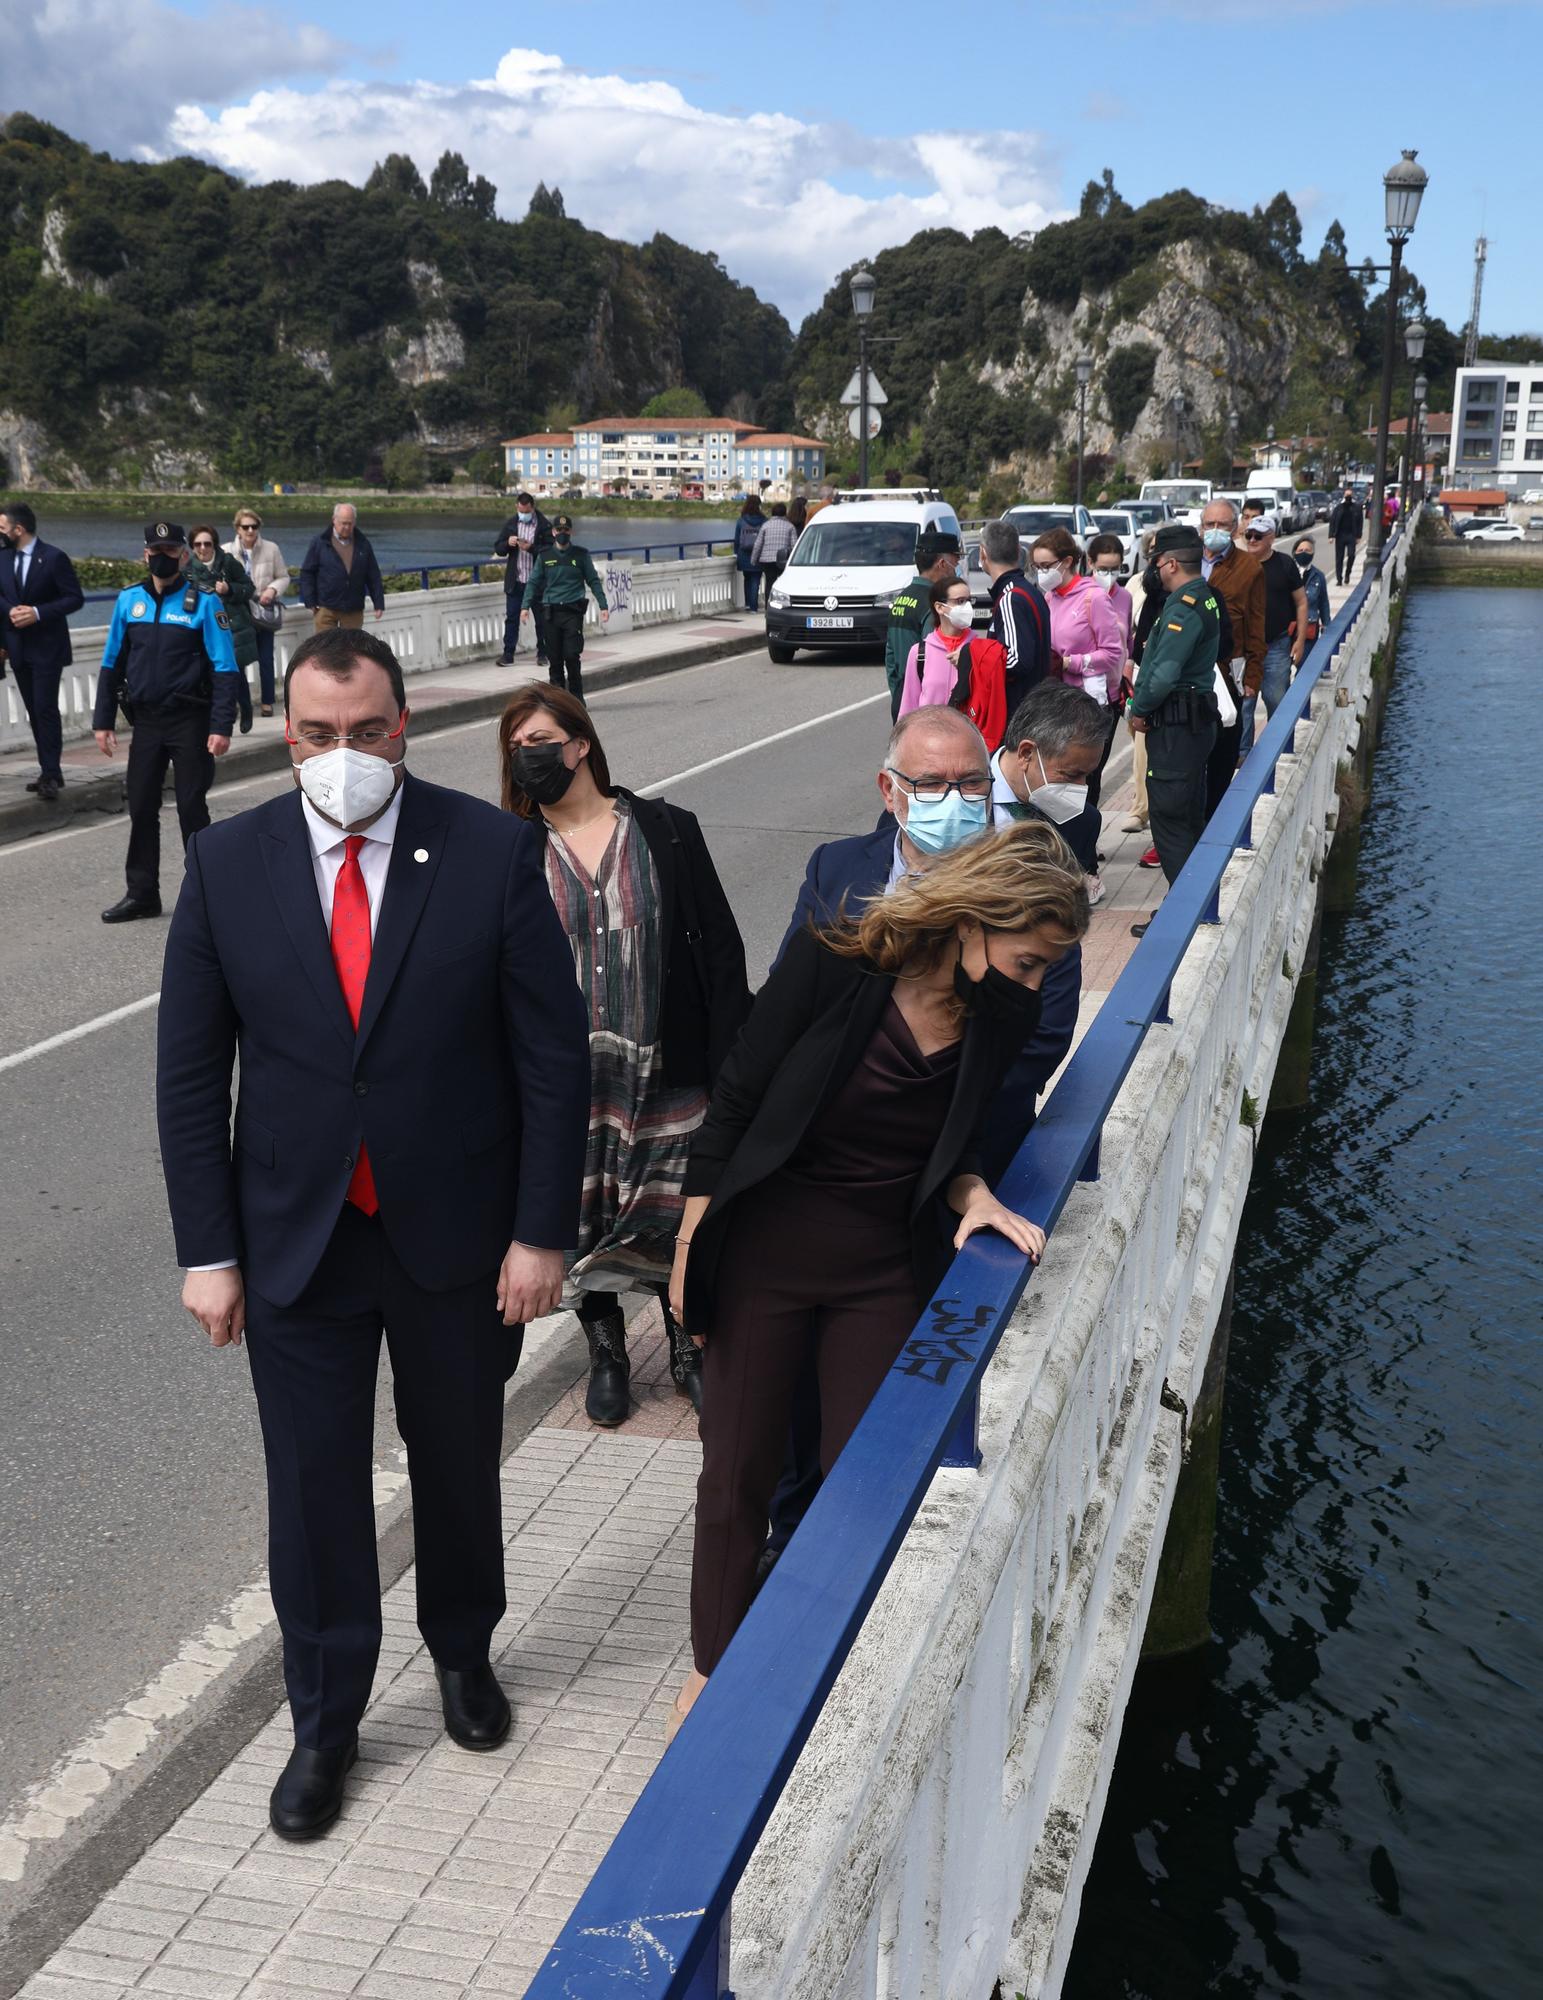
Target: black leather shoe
127,908
605,1400
1140,930
309,1794
477,1712
33,784
49,789
685,1362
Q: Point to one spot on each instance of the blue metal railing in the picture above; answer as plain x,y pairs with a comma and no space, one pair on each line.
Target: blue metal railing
653,1921
650,552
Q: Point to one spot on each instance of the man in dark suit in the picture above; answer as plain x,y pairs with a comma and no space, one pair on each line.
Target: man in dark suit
383,956
1347,523
927,748
38,591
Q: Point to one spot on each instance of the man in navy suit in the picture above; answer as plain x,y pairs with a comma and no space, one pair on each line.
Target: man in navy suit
383,956
929,748
38,591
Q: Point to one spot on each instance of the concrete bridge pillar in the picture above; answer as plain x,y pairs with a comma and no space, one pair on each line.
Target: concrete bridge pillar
1180,1619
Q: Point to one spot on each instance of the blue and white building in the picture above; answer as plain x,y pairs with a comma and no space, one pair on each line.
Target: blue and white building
541,464
691,458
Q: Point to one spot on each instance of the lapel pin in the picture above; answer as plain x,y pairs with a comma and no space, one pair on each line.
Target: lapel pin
420,854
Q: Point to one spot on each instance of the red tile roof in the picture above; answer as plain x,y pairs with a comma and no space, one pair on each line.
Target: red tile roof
543,437
664,424
782,438
1485,496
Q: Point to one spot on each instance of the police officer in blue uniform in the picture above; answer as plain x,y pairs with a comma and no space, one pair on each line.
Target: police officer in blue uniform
170,666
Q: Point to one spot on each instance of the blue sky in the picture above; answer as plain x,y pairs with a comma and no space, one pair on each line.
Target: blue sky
795,139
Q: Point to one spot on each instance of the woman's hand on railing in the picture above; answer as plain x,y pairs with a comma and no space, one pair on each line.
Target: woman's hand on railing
978,1208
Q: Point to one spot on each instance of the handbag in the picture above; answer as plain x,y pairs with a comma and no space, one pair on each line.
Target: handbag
1227,707
269,616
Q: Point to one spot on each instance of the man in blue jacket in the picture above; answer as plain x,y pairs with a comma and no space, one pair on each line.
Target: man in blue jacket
379,959
928,749
170,665
38,591
339,572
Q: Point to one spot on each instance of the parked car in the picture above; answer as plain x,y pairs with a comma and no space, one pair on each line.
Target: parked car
1146,513
1494,531
1534,521
980,584
1034,517
845,568
1120,521
1187,497
1322,504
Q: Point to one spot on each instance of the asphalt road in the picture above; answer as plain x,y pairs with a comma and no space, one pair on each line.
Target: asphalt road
131,1491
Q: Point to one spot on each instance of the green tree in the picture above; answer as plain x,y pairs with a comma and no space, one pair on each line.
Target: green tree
486,466
1127,383
397,175
451,186
676,403
548,202
406,465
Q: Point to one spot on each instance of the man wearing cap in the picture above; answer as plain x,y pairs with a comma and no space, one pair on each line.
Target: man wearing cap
170,665
910,609
559,577
1173,702
1285,610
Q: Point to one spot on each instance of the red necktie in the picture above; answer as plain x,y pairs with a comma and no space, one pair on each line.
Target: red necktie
351,956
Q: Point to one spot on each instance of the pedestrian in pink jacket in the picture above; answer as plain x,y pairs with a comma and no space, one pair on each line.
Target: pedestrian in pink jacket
1084,631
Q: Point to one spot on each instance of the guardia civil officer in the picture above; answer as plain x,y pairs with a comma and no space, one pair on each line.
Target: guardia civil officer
170,666
558,579
1173,702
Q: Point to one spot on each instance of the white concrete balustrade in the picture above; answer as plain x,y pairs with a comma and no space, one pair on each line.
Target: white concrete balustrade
453,627
937,1830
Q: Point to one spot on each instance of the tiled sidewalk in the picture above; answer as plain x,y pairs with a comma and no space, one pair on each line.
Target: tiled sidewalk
449,1873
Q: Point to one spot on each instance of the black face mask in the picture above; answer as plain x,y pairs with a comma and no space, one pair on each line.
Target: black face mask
1305,562
562,538
997,998
163,566
540,772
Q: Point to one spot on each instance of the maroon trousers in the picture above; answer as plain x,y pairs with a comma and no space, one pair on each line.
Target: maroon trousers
800,1274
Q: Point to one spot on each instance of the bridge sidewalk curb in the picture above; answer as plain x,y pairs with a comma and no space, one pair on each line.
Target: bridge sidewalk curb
74,1874
22,817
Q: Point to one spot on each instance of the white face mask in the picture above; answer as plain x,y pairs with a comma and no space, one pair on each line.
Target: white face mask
1106,579
346,786
960,616
1047,579
1060,802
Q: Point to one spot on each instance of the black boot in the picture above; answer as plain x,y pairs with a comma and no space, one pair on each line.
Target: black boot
605,1401
685,1359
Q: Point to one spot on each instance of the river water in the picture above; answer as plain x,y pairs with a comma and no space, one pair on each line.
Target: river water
1343,1798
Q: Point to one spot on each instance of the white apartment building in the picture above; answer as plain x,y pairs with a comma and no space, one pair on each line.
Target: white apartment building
1497,426
693,458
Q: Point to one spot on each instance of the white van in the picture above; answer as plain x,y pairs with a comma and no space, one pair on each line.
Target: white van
847,566
1276,488
1188,498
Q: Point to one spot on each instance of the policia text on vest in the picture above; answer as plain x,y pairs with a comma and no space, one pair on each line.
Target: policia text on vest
170,665
1174,702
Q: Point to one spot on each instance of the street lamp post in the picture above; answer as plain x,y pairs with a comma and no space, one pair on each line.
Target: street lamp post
1177,406
1414,347
1417,443
864,285
1084,377
1403,189
1232,443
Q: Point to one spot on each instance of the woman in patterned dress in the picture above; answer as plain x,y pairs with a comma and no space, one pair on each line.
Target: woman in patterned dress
661,964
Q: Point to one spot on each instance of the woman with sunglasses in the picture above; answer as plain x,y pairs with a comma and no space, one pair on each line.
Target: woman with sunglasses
211,569
839,1168
661,966
263,561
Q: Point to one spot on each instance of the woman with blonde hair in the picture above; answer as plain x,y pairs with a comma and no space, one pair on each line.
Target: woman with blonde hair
263,561
838,1168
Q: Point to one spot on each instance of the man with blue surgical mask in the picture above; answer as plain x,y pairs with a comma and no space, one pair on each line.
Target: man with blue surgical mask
941,788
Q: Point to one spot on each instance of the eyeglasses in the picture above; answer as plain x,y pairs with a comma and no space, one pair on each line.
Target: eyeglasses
249,527
1257,535
370,737
203,545
932,791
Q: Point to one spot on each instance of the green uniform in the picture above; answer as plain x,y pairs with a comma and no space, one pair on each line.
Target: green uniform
1174,695
910,620
560,576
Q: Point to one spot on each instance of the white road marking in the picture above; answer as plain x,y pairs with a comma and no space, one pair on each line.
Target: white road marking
660,785
110,820
75,1034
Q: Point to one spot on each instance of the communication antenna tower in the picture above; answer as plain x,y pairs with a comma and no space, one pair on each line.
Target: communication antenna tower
1471,345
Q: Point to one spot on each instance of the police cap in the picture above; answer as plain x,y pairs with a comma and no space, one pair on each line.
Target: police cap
935,542
1177,538
170,533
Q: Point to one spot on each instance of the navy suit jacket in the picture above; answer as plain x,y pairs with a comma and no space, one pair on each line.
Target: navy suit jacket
468,1076
53,592
857,869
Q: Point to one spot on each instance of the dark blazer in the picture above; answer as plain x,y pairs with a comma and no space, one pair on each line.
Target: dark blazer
857,869
325,582
468,1077
706,994
1347,522
808,1028
53,592
508,544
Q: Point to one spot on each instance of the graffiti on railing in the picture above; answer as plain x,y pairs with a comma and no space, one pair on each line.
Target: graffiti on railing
618,586
953,1338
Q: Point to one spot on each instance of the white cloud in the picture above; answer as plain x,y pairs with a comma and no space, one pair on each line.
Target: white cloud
137,63
776,198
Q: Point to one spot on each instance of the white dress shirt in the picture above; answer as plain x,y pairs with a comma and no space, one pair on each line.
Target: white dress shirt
328,847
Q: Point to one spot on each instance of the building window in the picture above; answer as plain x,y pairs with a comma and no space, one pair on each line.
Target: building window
1508,447
1512,390
1535,449
1481,392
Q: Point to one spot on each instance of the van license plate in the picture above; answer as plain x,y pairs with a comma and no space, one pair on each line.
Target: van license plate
829,624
